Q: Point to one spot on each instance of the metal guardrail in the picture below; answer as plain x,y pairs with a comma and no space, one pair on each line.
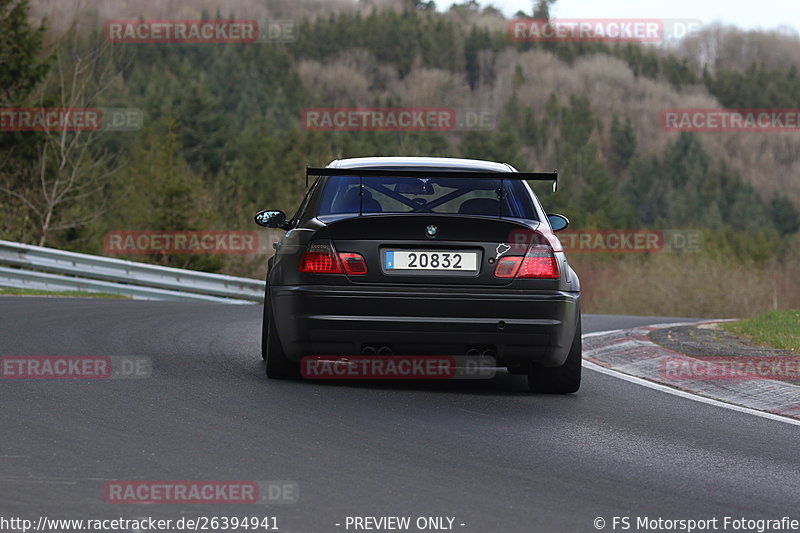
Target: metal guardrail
52,269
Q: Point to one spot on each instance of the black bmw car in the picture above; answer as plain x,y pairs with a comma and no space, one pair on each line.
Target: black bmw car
423,256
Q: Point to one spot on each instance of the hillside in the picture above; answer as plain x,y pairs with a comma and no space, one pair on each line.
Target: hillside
222,134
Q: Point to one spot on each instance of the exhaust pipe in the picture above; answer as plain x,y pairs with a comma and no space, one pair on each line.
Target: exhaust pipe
489,352
385,350
368,350
473,352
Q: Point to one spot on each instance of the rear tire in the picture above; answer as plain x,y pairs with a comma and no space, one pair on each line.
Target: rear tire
278,365
265,327
564,379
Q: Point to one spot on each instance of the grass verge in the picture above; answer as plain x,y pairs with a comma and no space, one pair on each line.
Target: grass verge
63,294
779,329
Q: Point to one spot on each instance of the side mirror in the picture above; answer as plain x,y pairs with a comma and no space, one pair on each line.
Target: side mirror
271,219
558,222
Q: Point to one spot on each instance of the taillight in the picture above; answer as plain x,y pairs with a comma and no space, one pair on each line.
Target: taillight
320,258
539,263
354,264
507,267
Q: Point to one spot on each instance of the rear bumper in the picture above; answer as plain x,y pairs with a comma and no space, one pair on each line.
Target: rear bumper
520,326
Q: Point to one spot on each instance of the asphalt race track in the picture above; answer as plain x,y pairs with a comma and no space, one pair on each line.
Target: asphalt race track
485,452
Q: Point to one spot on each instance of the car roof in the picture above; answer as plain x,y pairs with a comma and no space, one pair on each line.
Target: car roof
450,163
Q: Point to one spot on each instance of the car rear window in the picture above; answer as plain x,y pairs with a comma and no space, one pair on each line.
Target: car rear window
470,196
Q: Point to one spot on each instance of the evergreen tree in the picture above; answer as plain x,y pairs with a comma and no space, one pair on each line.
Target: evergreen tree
22,68
623,143
20,53
784,215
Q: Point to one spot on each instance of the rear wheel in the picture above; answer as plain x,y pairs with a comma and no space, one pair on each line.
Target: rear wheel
562,379
265,327
278,365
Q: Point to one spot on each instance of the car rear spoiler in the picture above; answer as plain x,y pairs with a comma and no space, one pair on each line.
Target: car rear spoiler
392,173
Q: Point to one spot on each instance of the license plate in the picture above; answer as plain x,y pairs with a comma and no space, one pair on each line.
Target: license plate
431,260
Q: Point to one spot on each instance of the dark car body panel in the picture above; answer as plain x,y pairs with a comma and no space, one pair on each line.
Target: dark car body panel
522,321
519,326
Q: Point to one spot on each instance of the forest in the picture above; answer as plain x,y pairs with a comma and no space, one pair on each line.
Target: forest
221,137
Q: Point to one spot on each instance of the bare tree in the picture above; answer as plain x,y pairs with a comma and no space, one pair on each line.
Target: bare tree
68,167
